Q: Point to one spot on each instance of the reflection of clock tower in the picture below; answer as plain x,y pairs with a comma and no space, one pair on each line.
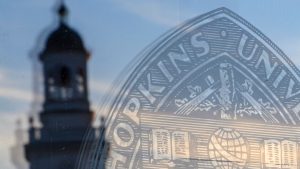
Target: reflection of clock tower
66,115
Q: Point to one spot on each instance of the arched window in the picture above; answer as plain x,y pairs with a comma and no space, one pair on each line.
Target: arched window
65,76
65,79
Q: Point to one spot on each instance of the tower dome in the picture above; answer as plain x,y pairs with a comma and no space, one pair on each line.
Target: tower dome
63,38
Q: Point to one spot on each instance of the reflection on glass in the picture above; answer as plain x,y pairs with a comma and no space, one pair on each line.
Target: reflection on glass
213,93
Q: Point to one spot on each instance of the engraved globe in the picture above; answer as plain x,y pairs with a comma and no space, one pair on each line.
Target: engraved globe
227,149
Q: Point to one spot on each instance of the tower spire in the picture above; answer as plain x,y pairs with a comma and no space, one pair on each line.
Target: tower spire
62,11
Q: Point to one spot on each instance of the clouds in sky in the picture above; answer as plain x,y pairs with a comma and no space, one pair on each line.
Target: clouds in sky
19,99
14,86
158,12
15,94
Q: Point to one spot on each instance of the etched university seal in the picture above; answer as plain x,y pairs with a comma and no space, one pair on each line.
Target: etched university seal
213,93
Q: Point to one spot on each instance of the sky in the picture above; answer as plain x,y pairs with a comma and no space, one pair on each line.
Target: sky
115,32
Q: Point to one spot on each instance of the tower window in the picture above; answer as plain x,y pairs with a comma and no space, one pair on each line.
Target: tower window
64,84
65,76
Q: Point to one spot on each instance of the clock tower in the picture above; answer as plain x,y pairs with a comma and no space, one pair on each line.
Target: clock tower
66,115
